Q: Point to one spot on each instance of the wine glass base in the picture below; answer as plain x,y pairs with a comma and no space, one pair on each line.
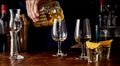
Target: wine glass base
60,55
16,57
82,58
76,46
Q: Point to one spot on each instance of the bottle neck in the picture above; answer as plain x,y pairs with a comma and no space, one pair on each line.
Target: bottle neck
101,5
3,15
3,10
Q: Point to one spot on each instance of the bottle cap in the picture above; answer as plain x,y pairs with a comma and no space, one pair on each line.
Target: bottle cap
3,7
101,2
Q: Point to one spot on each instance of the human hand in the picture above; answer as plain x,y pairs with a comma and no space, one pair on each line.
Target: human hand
32,7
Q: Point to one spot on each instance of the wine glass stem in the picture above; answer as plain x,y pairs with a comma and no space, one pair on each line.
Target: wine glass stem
16,49
13,51
83,49
59,47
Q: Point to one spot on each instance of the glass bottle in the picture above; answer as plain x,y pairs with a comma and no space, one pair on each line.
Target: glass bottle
24,32
3,28
48,11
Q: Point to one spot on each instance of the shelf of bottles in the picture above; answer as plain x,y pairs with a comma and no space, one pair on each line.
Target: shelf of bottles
107,20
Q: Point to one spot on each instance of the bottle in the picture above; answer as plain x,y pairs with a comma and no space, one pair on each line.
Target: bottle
101,14
101,5
24,32
3,28
96,33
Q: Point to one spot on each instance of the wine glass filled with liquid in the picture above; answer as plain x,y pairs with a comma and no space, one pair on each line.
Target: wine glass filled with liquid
82,34
59,34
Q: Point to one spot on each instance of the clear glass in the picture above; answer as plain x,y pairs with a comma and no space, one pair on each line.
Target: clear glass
105,49
15,26
59,34
92,55
105,52
82,34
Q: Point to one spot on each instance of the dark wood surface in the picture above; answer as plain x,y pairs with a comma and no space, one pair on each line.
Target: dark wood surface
45,58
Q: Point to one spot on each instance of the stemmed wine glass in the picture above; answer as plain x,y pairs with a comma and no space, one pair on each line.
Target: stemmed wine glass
15,26
59,34
82,34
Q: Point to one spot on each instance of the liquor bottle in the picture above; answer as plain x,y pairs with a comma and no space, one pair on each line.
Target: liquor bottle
24,32
105,16
101,16
3,28
101,5
96,33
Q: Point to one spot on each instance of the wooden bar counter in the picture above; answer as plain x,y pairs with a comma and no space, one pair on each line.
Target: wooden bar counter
45,58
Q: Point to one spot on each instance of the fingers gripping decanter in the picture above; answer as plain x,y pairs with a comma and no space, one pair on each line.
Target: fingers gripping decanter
48,11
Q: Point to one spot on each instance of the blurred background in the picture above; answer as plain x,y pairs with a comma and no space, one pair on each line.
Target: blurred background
39,38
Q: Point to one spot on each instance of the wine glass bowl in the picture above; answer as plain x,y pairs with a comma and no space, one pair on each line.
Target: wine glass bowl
18,26
59,34
82,34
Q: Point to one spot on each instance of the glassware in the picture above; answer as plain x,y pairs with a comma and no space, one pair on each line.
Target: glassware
105,49
59,34
82,34
15,26
105,35
48,11
92,55
92,51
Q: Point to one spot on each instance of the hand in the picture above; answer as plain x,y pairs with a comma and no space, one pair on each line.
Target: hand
32,7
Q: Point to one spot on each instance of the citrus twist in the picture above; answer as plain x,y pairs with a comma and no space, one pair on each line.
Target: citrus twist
92,45
106,42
